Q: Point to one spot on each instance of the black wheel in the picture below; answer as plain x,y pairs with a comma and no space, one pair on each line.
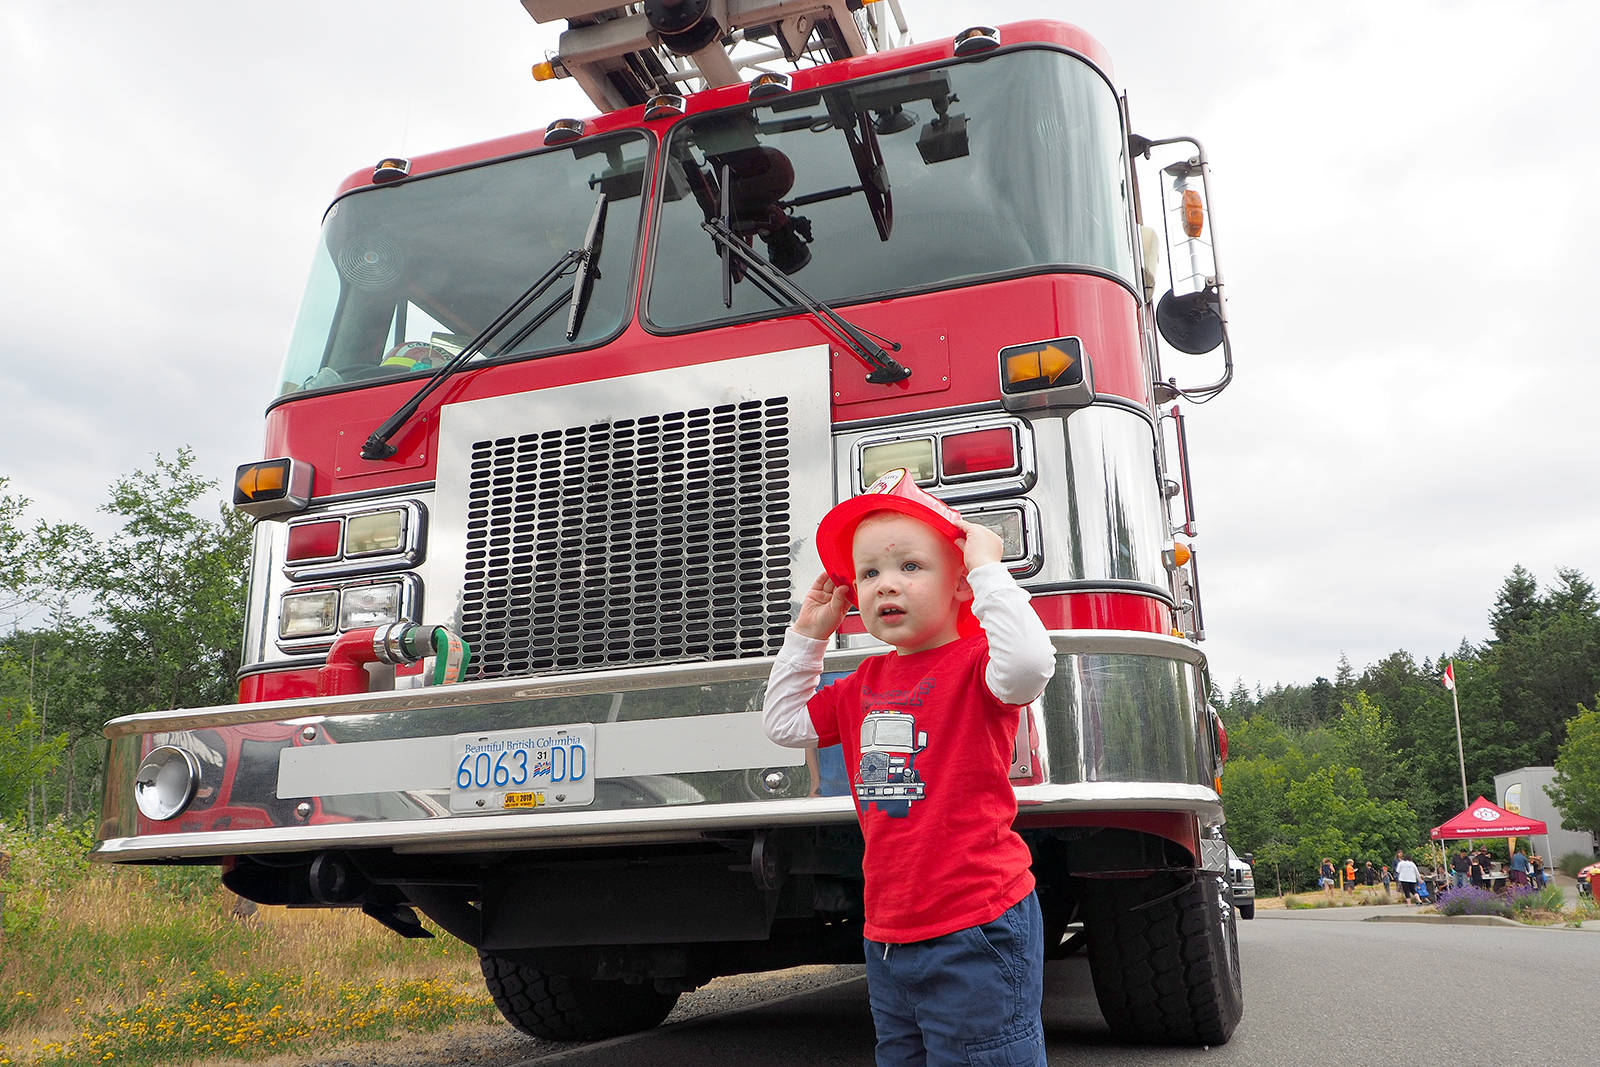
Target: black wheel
1247,911
1164,956
563,1007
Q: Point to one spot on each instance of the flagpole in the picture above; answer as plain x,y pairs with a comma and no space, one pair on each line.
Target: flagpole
1460,751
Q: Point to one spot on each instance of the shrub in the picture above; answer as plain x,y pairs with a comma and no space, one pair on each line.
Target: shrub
1524,898
1470,900
1571,863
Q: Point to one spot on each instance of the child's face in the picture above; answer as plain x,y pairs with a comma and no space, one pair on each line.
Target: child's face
909,582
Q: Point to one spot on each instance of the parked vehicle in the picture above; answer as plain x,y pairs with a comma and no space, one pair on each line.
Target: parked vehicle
560,401
1242,879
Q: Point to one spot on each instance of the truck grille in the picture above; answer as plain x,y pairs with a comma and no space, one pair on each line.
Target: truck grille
652,539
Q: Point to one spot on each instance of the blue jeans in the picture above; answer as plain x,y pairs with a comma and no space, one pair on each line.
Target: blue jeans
969,997
1458,879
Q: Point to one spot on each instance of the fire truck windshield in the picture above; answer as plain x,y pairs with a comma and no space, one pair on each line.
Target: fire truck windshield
934,178
405,275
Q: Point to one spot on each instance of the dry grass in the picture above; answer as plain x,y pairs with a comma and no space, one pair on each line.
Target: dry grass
150,967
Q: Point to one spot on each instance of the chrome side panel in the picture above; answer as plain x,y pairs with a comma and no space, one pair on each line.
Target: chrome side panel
678,752
1091,476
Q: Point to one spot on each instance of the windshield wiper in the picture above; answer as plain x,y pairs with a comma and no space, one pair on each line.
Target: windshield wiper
885,368
378,447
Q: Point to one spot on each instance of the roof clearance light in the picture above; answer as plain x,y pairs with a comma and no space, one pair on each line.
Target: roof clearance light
770,83
369,605
975,39
664,106
1178,554
545,72
271,487
375,532
1194,213
563,131
990,451
915,455
313,541
390,170
313,614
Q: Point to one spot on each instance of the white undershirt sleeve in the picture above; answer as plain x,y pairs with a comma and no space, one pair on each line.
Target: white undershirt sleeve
1021,657
793,679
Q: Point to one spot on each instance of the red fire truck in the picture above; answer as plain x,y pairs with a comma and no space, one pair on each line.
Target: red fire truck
557,420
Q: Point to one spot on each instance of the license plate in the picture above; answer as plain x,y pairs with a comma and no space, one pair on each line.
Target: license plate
523,770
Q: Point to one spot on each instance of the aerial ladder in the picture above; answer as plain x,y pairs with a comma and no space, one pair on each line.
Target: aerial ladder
623,55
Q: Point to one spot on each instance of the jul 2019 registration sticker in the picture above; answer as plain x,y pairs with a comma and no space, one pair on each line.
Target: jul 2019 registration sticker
523,770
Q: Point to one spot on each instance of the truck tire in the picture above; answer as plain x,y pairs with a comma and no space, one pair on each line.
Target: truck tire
564,1007
1164,957
1247,911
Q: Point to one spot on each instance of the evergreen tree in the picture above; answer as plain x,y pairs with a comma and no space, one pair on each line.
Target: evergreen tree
1517,607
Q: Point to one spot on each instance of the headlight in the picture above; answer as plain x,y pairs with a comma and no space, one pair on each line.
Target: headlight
369,605
915,455
375,531
166,782
309,614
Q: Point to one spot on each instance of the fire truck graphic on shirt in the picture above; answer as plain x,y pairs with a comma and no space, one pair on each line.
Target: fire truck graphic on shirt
887,776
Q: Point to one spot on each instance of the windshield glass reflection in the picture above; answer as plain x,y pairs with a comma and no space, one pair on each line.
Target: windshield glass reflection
933,178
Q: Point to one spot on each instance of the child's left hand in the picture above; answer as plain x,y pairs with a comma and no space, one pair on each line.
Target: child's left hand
979,545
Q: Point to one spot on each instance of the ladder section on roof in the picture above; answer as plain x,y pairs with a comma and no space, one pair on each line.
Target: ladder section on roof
624,54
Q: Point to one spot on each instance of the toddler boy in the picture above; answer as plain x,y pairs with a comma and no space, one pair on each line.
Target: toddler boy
953,937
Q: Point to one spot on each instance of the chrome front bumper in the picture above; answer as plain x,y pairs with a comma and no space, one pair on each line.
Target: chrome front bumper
679,752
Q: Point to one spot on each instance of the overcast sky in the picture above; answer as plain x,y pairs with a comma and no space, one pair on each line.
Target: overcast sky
1406,208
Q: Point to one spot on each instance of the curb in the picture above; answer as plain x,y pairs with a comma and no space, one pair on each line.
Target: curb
1478,920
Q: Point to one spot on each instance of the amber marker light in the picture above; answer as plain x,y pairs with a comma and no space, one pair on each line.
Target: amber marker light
1038,367
1194,213
272,486
563,131
544,72
390,170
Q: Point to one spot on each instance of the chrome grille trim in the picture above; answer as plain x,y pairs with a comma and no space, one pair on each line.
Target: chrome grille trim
643,540
655,519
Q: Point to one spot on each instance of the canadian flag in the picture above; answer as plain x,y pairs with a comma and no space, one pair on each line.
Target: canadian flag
1449,678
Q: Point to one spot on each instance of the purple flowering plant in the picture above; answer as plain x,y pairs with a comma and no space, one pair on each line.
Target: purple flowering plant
1471,900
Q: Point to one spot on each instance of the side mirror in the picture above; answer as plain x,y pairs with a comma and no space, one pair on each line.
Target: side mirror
1191,323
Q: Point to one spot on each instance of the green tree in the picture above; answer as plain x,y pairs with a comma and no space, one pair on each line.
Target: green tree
1364,739
1517,607
25,759
169,590
1576,790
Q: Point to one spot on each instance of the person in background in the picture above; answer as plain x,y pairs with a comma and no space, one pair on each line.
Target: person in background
1519,867
1386,876
1405,872
1537,862
1460,869
1369,875
1326,876
1349,875
1475,870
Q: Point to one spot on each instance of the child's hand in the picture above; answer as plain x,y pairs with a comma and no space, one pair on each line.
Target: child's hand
822,609
979,545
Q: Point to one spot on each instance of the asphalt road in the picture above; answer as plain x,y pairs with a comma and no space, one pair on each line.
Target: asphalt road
1337,986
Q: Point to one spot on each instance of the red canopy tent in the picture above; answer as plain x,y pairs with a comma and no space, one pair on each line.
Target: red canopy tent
1485,819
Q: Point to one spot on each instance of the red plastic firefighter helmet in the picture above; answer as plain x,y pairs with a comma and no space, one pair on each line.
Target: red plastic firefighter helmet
896,491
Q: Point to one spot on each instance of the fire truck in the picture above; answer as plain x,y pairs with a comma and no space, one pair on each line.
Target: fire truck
558,418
